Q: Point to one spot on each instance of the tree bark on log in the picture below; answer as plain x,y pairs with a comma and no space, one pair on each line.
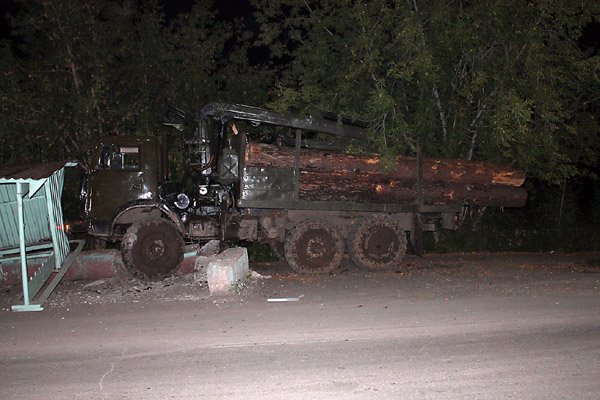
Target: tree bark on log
434,170
317,186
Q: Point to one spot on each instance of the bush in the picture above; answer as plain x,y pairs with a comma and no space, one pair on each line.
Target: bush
555,218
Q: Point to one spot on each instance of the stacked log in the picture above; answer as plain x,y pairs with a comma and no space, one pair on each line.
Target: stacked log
329,176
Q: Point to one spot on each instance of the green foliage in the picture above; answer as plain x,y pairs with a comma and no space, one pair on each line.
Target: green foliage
494,80
77,74
74,73
259,252
556,218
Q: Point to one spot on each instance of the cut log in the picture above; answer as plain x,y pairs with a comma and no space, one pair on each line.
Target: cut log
434,170
317,186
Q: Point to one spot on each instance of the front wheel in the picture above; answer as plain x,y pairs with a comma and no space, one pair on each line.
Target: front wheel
152,248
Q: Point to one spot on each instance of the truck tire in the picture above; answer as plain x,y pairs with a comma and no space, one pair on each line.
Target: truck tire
151,249
377,243
314,247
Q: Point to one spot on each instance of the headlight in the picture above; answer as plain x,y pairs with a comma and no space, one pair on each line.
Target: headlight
183,201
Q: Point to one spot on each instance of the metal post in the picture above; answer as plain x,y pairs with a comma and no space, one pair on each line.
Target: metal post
21,226
53,225
297,164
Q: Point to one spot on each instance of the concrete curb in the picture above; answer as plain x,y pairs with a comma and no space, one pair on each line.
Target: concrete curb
89,265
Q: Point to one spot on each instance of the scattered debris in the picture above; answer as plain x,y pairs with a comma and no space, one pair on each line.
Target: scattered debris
94,284
284,299
129,290
238,287
256,275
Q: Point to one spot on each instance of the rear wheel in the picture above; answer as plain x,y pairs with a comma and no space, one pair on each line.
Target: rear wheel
152,248
314,247
377,243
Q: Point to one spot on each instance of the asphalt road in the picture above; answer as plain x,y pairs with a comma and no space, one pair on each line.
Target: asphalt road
454,330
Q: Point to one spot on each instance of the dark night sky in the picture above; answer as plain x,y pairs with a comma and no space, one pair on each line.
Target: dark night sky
227,9
6,6
591,37
231,9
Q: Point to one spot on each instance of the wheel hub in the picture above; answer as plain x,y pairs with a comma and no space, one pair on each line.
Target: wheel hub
380,243
156,249
316,247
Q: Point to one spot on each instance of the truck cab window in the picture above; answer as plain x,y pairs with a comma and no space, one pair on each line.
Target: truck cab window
119,158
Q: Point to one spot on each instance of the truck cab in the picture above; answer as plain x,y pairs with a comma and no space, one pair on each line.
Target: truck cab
127,172
130,198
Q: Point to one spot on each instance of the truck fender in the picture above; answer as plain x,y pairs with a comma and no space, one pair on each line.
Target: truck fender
140,205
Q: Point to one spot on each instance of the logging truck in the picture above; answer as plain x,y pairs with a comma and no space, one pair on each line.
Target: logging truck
257,175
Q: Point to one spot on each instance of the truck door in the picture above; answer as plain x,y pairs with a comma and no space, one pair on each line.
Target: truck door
119,178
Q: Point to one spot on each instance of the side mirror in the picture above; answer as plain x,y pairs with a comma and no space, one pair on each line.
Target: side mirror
104,161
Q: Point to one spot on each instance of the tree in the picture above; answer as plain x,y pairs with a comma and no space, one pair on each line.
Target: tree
76,74
495,80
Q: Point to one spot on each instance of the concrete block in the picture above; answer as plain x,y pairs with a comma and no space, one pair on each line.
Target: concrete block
201,266
89,265
211,248
97,264
226,269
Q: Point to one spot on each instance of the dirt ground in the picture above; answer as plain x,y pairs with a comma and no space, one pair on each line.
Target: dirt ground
454,326
276,280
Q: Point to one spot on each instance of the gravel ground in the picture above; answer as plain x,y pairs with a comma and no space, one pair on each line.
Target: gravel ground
276,280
